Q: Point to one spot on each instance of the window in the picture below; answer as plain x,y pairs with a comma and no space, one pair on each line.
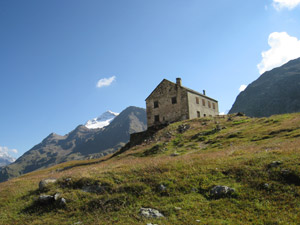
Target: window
203,102
197,100
174,100
156,118
214,106
204,115
208,104
198,114
155,104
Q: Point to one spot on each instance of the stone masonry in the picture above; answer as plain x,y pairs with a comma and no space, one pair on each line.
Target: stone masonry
170,102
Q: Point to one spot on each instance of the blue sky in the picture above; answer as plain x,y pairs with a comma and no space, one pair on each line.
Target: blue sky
54,53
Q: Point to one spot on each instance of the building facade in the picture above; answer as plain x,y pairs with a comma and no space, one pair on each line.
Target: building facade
170,102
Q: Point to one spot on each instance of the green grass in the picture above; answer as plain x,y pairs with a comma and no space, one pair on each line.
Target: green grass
236,152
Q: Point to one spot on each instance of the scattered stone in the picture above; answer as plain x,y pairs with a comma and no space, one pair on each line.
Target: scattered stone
266,185
198,221
150,213
68,179
183,128
162,187
194,190
56,196
45,199
151,224
177,208
63,202
285,172
175,154
221,191
274,164
77,223
45,183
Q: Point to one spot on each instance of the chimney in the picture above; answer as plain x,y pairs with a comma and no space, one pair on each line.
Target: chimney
178,81
204,92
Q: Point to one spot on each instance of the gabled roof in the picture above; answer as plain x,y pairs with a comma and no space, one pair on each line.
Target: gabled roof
158,86
188,89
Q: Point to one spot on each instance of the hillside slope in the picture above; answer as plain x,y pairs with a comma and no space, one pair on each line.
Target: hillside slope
274,92
174,172
81,143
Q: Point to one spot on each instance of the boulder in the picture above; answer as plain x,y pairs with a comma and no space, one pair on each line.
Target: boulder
274,164
183,128
45,183
221,191
45,199
62,202
150,213
162,187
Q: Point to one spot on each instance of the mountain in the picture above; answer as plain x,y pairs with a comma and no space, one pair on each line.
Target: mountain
274,92
81,143
101,121
5,159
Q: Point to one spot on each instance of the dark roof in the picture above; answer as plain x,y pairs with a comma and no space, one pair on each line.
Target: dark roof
188,89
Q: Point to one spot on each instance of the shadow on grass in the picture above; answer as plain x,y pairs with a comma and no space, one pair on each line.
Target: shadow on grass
38,208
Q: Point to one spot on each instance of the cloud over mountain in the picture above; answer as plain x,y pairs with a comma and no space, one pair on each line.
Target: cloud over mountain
289,4
283,48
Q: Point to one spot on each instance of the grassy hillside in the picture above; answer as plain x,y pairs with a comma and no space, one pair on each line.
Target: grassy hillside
174,172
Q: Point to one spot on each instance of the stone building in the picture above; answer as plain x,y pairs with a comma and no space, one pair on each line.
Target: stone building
170,102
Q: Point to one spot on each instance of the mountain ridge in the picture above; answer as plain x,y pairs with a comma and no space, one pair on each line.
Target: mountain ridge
275,92
80,143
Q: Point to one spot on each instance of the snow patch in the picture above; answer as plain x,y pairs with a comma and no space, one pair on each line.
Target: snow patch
101,121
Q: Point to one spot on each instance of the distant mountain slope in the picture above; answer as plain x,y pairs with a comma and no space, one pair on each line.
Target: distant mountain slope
274,92
81,143
6,161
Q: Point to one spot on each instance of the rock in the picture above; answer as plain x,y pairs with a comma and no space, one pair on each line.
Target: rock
56,196
151,224
183,128
177,208
45,199
266,185
162,187
45,183
221,191
63,202
175,154
274,164
194,190
150,213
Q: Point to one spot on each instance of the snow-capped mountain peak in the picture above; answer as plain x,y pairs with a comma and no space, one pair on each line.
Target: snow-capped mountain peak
101,121
5,158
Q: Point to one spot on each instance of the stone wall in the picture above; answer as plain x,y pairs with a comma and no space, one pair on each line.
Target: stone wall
204,110
166,110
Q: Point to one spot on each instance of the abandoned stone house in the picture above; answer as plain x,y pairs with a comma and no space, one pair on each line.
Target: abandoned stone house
170,102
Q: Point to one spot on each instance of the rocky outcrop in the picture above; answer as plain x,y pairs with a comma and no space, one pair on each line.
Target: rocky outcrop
150,213
221,191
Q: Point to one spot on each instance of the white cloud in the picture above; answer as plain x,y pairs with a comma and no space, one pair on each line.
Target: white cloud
242,87
283,49
5,151
290,4
105,81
